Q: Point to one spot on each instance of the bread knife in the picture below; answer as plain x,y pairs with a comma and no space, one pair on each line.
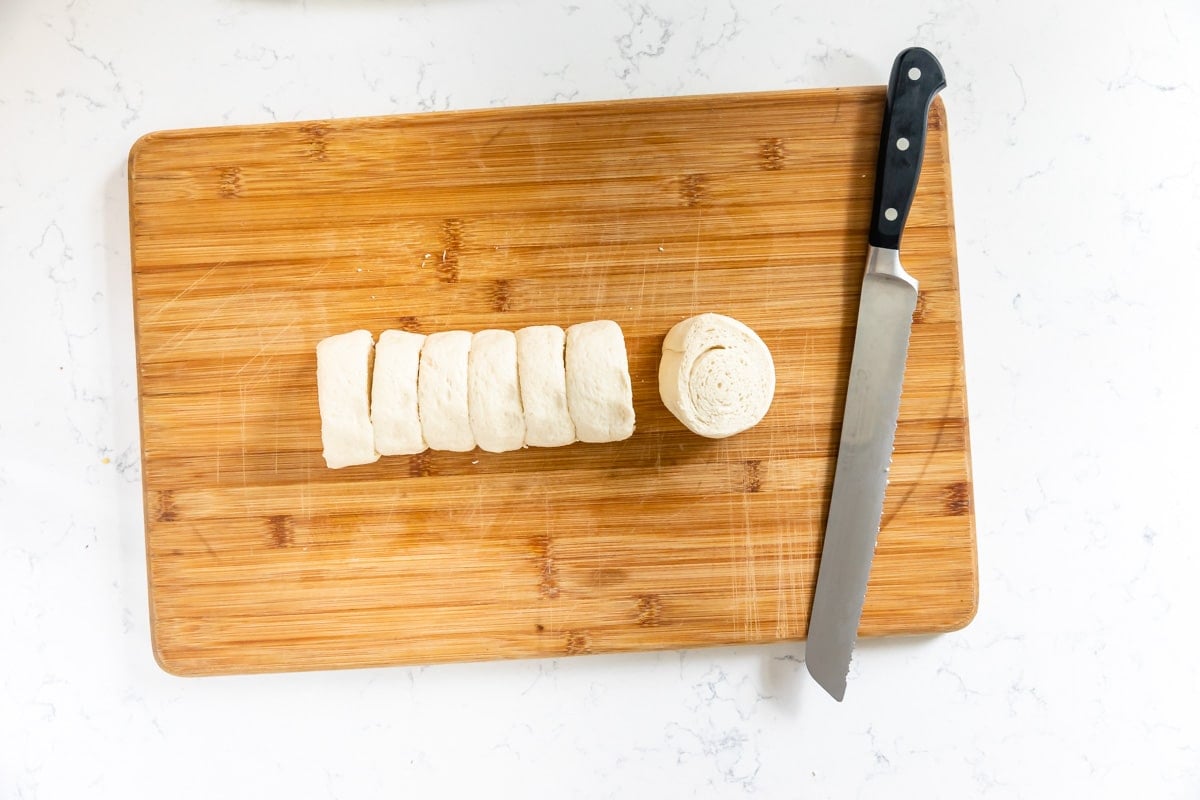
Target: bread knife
889,297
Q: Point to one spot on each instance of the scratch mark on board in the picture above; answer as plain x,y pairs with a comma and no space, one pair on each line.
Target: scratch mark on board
751,578
177,340
220,415
187,290
245,489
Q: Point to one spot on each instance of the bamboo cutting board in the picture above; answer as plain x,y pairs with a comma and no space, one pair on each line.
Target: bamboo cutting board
251,244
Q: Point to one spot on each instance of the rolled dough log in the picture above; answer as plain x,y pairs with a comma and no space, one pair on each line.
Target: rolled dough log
716,375
343,383
599,392
442,380
394,412
497,418
542,368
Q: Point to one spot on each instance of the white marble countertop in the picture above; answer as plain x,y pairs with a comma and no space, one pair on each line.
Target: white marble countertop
1073,140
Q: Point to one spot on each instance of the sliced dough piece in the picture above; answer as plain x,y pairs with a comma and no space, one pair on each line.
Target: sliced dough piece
343,383
494,394
543,372
716,375
599,392
394,413
442,391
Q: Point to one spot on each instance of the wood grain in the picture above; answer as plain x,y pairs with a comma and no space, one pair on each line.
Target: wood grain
251,244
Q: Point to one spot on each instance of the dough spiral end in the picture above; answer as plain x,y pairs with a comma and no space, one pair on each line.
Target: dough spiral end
716,375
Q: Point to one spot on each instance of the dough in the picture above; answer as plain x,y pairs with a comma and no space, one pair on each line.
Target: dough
394,394
343,382
599,392
442,391
716,375
543,373
497,419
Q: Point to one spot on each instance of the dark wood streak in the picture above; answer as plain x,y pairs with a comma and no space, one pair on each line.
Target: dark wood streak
919,311
548,585
752,476
693,189
166,507
282,533
772,154
452,239
649,610
577,643
408,323
957,499
318,147
231,182
501,295
420,465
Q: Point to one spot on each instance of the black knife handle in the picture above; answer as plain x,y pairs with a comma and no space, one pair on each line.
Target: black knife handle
916,78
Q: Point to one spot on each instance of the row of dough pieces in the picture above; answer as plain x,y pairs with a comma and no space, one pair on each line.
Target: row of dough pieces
455,390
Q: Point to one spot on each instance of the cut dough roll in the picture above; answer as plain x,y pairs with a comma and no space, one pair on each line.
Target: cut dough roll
343,383
497,419
442,380
394,412
716,375
599,392
542,368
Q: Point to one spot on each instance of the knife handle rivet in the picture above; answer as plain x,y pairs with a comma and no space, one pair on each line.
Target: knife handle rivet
902,143
914,74
890,214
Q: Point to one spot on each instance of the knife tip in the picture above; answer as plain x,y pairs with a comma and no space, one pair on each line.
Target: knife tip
832,682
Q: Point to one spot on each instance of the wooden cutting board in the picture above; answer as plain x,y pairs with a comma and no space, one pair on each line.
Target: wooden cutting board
251,244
